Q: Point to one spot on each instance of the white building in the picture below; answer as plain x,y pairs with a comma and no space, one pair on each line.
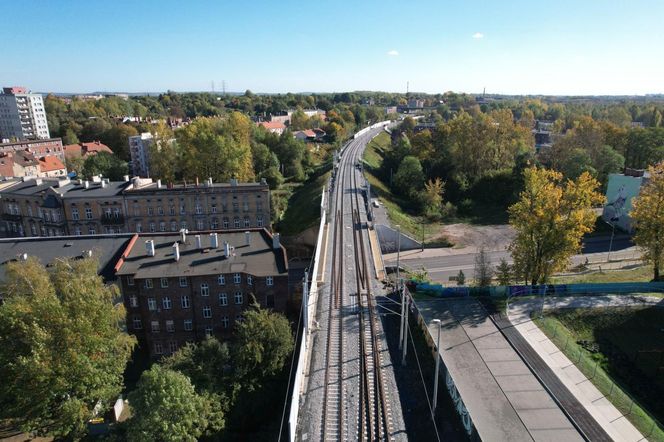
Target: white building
139,148
22,115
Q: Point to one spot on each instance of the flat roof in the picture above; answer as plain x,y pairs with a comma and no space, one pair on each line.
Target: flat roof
107,248
202,186
257,258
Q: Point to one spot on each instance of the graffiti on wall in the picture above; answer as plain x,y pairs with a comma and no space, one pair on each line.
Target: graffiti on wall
458,404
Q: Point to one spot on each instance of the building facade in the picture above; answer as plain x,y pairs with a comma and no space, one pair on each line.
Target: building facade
139,149
38,148
22,115
181,288
138,205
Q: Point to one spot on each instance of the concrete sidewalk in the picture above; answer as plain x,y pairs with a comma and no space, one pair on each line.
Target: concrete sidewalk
612,421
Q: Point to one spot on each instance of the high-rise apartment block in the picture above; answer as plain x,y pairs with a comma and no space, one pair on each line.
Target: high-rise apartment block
139,148
22,115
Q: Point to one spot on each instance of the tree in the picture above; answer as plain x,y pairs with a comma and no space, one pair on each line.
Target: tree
433,198
483,271
166,407
106,165
117,138
409,177
62,348
164,154
461,278
550,220
504,272
648,217
264,341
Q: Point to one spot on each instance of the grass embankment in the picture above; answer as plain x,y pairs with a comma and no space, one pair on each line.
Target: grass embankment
303,209
639,274
621,351
395,205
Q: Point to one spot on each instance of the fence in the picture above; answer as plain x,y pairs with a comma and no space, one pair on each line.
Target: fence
592,369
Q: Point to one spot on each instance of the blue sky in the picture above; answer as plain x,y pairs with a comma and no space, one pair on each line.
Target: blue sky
520,47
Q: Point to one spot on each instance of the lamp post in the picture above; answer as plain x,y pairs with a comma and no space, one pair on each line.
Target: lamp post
435,382
613,231
398,250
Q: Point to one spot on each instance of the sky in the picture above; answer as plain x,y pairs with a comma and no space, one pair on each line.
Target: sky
563,47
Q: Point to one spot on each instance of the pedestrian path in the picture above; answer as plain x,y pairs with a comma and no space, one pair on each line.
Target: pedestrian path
593,401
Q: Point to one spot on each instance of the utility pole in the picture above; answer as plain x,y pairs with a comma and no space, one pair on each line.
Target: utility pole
403,313
435,382
404,350
305,302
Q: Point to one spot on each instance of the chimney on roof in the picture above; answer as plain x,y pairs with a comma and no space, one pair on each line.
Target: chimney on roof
234,182
125,178
104,184
176,251
86,184
199,245
247,238
38,181
210,181
158,184
24,256
135,182
227,249
183,235
214,240
149,247
87,253
276,241
196,181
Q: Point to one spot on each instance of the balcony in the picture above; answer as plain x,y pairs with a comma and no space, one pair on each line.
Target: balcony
112,219
11,217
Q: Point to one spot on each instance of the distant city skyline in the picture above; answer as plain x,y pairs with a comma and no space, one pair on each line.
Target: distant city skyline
524,48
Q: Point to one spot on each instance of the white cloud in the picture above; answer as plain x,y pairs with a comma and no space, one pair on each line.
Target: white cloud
478,35
393,53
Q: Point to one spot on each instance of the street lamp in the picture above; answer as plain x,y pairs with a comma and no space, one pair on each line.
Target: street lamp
435,382
613,231
398,250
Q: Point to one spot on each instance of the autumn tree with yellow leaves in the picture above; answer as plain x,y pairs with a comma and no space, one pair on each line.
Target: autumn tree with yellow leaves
550,219
648,218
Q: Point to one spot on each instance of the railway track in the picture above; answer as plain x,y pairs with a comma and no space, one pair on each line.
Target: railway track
356,402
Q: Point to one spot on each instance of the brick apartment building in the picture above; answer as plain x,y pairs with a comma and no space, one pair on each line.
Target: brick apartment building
181,288
38,148
53,207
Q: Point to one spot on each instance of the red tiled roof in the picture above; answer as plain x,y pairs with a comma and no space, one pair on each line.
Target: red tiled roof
272,125
85,149
6,165
49,164
309,133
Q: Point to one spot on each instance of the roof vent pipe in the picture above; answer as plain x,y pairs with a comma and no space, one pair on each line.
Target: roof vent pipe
86,184
199,245
183,235
158,184
214,240
125,178
176,251
227,249
24,256
149,247
247,238
276,241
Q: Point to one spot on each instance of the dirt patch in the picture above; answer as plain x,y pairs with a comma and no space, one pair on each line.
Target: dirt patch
493,237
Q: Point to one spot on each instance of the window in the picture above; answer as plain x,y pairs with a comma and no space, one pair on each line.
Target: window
162,226
236,207
173,346
116,212
269,301
238,297
213,208
137,210
259,206
157,348
91,230
148,283
171,210
184,301
214,224
174,226
137,323
88,213
152,304
223,299
237,278
208,331
199,209
163,282
224,322
160,210
183,225
166,303
200,224
152,227
170,326
269,280
259,220
239,318
74,214
133,301
154,326
221,280
183,281
205,289
130,280
183,210
188,325
207,312
225,223
77,230
150,211
247,223
236,223
139,228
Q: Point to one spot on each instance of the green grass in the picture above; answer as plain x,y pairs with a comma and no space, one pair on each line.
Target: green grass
639,274
303,209
411,224
625,361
